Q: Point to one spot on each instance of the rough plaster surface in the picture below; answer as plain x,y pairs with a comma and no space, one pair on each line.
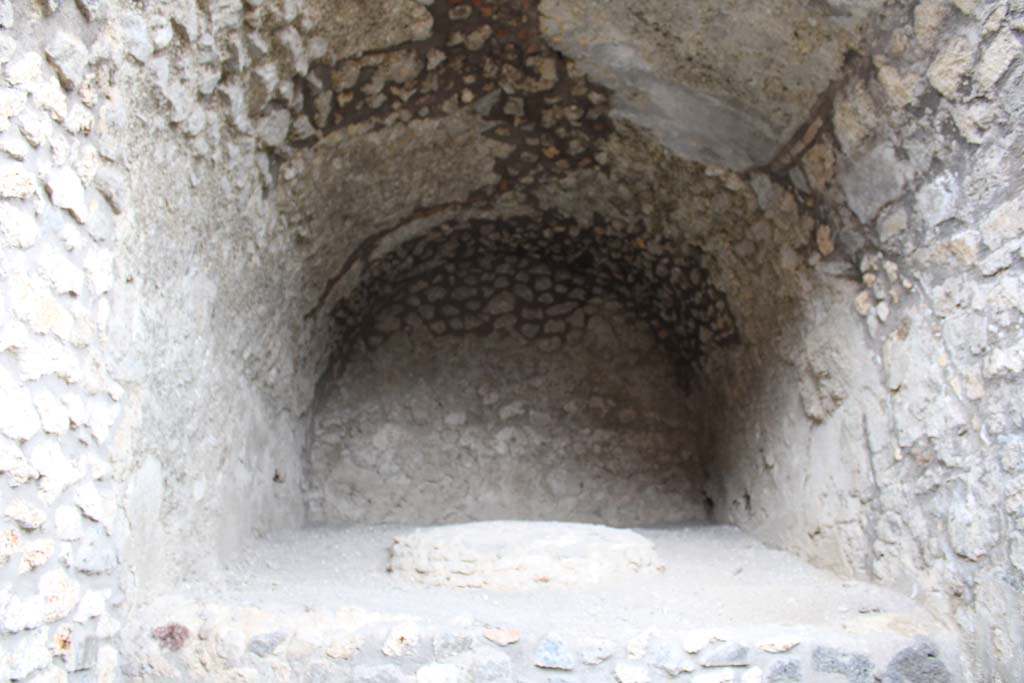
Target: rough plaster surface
724,83
174,287
319,605
520,555
442,429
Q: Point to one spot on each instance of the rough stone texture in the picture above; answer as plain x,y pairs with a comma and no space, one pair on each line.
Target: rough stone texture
520,555
193,198
325,598
578,420
724,83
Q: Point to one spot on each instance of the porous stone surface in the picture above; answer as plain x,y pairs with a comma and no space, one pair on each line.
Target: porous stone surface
806,214
520,555
323,601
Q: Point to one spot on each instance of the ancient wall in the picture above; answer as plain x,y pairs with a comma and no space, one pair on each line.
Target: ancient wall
194,196
514,372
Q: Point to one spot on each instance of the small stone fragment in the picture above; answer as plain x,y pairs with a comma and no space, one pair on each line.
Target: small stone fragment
786,671
451,644
596,650
438,673
32,654
66,192
632,672
70,57
552,652
113,185
16,182
60,594
919,663
387,673
265,643
343,646
951,66
96,553
491,666
92,9
35,554
725,654
171,636
135,34
93,604
715,676
752,675
778,645
856,667
696,640
27,516
669,657
402,639
824,239
502,636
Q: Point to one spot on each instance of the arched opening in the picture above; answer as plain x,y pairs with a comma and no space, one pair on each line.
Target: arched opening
518,370
700,303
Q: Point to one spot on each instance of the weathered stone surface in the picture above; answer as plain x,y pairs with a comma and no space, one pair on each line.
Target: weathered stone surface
917,664
401,640
265,643
27,516
231,258
784,671
553,652
70,56
855,667
520,556
632,672
725,654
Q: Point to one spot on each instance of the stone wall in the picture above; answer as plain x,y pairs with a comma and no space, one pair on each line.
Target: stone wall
515,372
193,197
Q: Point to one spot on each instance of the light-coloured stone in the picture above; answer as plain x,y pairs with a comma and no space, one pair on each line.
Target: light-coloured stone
14,464
16,182
56,471
632,672
25,68
135,35
553,652
696,640
95,505
32,654
401,639
752,675
18,417
17,228
60,594
343,646
502,636
92,606
67,522
67,192
529,554
27,516
947,72
53,414
778,645
438,673
715,676
70,56
996,58
35,554
1004,223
